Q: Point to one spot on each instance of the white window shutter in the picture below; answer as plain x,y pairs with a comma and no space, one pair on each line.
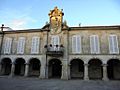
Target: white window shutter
116,48
110,44
32,45
73,44
76,44
113,44
55,40
7,46
35,45
21,45
94,44
10,45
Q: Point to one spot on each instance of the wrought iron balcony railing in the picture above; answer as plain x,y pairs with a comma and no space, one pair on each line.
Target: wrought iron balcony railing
54,50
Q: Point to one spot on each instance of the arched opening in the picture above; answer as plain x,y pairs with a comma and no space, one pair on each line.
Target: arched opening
113,69
19,66
54,69
34,67
6,66
95,70
77,69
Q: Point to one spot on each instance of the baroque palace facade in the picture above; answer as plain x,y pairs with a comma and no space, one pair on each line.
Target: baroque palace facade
60,51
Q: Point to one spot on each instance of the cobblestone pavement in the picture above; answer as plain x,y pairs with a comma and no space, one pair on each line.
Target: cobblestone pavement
20,83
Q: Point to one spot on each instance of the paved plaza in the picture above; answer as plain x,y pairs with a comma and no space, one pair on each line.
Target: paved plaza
20,83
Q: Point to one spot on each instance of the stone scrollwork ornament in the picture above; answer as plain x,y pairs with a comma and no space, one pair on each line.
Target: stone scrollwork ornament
55,20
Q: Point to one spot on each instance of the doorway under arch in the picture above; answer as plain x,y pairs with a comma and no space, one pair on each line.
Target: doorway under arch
77,69
6,66
19,66
113,69
55,68
35,65
95,70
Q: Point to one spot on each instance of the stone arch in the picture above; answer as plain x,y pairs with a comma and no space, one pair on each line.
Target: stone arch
19,66
6,66
113,69
54,68
34,67
77,68
95,70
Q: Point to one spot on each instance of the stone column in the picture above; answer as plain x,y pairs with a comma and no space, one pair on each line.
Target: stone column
69,76
26,70
42,71
105,77
64,70
86,72
12,70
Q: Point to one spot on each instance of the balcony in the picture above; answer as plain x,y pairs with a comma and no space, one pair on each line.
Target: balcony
54,50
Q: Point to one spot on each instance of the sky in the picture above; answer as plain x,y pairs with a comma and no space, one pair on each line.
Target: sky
31,14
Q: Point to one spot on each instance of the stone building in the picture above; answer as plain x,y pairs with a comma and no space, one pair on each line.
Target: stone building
60,51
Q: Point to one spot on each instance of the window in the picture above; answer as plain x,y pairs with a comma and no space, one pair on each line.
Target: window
7,45
21,45
113,44
55,40
94,44
76,44
35,45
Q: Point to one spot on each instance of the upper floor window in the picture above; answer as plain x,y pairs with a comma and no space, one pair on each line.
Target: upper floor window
7,45
35,45
55,40
76,44
113,44
94,44
21,45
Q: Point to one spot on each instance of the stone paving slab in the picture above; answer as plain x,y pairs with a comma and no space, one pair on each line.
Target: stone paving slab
20,83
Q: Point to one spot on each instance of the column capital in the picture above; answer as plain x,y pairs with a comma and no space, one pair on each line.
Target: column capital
86,64
26,63
104,65
13,63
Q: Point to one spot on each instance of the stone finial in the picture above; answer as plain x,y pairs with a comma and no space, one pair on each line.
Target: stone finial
65,22
79,24
46,22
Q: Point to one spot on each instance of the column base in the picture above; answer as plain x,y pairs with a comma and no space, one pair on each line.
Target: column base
26,76
64,78
11,75
41,77
105,79
86,79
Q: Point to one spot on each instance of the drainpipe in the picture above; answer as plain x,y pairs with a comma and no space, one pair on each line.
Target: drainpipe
2,34
46,70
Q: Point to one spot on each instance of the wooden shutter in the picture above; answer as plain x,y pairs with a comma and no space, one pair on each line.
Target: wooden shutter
21,45
94,44
76,44
113,44
35,45
55,40
8,45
